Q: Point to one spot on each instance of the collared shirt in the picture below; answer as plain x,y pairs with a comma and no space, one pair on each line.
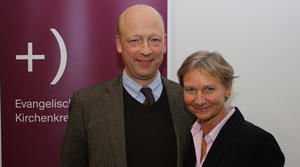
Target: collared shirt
197,133
134,88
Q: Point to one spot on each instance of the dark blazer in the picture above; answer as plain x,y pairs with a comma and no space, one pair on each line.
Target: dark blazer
95,134
242,144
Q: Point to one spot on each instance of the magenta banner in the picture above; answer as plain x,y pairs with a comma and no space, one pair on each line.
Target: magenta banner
48,50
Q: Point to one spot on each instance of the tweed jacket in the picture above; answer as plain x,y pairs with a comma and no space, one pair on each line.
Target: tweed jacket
95,133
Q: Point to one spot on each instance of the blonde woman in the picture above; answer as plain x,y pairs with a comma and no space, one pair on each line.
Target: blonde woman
221,135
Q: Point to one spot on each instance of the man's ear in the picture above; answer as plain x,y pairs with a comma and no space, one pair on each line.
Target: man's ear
118,44
165,43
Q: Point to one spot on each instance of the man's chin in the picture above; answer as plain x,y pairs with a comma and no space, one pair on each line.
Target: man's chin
146,75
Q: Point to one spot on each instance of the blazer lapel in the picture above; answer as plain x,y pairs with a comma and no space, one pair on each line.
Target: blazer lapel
224,140
115,121
182,119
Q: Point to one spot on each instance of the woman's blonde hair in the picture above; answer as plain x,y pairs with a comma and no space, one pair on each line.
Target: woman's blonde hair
212,62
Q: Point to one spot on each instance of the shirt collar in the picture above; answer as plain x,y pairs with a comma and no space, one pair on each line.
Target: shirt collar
212,135
133,88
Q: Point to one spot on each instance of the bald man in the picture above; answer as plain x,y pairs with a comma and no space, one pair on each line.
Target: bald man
117,124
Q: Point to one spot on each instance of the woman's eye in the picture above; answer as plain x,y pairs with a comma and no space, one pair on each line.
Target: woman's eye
208,90
211,89
190,90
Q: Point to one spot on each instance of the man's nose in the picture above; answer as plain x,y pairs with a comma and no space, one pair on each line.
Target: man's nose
145,48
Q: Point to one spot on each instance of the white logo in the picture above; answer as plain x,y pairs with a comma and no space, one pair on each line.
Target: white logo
30,57
63,57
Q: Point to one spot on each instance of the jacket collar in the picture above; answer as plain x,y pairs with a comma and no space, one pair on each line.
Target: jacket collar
224,139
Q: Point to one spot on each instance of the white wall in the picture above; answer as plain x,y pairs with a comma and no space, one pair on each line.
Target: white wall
261,40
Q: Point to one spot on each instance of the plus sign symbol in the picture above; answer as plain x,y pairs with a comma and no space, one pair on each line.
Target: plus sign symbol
30,57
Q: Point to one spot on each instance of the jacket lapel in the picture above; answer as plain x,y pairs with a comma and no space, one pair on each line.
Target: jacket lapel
224,140
182,119
115,121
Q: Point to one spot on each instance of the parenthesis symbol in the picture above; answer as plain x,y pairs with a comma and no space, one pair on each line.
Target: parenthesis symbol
63,56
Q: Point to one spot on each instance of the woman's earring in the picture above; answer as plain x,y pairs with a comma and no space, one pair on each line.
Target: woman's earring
227,97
